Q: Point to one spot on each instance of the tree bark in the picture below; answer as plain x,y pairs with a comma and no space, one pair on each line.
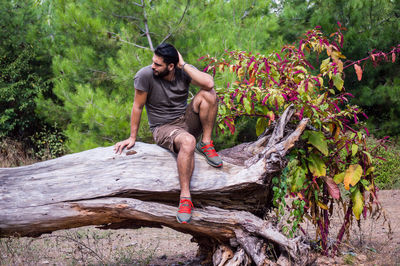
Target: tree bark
141,188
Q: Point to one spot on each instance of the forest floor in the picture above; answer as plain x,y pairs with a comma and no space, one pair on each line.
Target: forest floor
370,245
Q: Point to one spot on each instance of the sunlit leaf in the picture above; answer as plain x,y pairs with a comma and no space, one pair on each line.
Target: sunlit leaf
338,81
240,72
354,149
316,165
320,99
339,178
352,176
358,203
247,105
370,170
322,205
324,65
358,71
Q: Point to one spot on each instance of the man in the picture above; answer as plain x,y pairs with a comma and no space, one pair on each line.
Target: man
163,88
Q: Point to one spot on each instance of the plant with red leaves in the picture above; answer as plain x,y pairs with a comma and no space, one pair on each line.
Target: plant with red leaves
335,166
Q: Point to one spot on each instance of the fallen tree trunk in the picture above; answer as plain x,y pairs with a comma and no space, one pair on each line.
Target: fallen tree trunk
141,188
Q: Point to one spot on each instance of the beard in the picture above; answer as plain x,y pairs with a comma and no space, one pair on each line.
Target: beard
161,74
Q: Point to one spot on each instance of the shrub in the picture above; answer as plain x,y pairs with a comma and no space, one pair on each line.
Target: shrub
48,143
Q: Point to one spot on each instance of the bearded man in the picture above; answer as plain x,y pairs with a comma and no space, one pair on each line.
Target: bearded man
163,87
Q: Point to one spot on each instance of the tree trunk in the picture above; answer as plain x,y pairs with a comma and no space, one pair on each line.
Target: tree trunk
141,188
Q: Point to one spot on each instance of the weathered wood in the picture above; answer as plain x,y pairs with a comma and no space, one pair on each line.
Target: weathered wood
99,187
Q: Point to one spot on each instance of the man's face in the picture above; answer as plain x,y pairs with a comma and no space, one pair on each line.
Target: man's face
160,68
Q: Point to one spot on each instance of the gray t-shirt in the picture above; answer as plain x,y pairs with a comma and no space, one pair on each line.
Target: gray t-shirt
166,100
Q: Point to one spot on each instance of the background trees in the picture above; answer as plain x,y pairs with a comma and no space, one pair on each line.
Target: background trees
70,64
24,69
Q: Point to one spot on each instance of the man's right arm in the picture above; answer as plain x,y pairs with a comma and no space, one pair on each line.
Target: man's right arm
137,108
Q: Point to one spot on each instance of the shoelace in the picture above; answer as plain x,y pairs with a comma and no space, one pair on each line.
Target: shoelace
210,150
185,206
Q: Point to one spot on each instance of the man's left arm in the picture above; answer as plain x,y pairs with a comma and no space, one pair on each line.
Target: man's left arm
201,79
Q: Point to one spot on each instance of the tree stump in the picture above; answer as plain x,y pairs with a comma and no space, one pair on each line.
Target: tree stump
140,188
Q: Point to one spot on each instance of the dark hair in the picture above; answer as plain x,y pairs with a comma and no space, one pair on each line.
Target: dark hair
168,53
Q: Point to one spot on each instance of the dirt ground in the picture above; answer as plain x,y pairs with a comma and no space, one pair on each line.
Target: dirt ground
372,245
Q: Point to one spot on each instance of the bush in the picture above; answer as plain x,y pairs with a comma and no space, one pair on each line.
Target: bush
19,86
48,143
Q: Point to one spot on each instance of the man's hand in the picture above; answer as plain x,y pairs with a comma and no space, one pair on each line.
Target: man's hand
181,62
199,78
120,146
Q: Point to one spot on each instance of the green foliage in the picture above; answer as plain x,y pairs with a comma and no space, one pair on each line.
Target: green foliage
335,156
21,70
101,45
387,166
18,87
98,120
385,101
49,143
97,49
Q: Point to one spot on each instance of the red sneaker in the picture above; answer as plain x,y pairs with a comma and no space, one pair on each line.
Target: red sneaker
208,151
184,214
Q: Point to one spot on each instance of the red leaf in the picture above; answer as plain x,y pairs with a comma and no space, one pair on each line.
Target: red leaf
333,188
393,57
358,71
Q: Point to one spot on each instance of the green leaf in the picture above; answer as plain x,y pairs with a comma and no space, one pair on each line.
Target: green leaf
338,81
352,176
261,125
316,165
339,178
324,64
370,170
354,149
358,203
365,183
368,156
317,139
299,177
247,105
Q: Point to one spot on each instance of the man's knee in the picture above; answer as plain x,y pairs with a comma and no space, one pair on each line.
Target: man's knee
211,96
208,96
186,142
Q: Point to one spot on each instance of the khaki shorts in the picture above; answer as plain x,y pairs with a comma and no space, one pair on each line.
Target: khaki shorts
189,122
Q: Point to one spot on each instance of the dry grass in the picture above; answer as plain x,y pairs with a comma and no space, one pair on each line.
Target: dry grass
91,246
14,153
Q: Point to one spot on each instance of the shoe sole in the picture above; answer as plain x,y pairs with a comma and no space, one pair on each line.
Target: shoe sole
182,222
209,162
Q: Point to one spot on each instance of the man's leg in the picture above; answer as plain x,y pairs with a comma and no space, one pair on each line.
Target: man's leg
185,144
205,104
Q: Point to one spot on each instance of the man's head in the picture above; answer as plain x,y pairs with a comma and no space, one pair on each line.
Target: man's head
165,59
